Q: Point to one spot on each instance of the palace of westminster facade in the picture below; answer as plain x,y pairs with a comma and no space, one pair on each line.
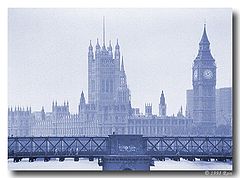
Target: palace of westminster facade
109,109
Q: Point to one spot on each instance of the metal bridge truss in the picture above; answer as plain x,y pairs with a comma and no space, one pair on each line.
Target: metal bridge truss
56,147
190,148
98,147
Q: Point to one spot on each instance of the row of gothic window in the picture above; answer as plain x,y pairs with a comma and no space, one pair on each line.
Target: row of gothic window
106,86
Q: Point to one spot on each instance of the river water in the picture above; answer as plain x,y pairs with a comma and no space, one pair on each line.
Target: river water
84,164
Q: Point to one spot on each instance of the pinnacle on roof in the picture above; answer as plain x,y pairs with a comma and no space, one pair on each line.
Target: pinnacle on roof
97,45
82,94
90,45
110,46
117,45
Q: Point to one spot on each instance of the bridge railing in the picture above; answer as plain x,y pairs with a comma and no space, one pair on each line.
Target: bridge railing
56,146
189,146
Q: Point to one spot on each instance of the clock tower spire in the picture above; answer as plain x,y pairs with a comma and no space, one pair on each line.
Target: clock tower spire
204,86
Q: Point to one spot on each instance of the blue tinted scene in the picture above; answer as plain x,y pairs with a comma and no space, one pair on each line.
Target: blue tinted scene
120,89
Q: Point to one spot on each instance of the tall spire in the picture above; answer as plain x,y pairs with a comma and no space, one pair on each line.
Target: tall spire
204,47
103,30
204,39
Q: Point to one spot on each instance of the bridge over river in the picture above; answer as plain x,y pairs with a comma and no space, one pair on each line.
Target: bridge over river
121,152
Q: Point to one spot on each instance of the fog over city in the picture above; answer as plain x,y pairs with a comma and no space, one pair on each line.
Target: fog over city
48,51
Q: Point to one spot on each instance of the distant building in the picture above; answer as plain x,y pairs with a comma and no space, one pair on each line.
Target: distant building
224,106
19,121
109,110
189,104
60,111
41,124
159,126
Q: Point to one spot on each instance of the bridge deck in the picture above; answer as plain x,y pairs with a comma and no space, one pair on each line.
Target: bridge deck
123,145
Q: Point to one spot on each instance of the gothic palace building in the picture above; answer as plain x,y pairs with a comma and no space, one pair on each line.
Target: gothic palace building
109,109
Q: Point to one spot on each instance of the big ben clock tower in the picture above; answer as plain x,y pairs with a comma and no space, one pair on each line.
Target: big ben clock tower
204,85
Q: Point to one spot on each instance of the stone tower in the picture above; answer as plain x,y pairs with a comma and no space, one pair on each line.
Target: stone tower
148,109
204,85
109,104
162,106
103,73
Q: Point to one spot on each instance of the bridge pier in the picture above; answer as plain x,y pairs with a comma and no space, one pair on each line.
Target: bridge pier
191,159
161,158
76,159
91,158
61,159
126,163
222,159
16,160
46,159
175,158
126,152
205,159
32,159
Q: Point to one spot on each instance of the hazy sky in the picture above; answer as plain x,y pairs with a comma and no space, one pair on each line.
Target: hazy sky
48,52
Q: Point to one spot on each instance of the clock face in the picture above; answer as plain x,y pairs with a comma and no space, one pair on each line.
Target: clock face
208,74
195,74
